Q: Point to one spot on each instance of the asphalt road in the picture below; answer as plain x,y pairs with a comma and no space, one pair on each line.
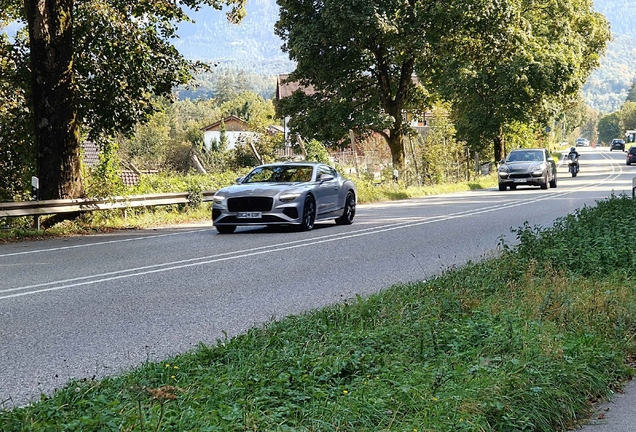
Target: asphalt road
93,306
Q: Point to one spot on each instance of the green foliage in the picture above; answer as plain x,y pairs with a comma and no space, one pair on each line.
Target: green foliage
104,180
335,45
222,136
609,127
628,116
517,78
119,58
17,154
519,342
250,107
316,152
631,94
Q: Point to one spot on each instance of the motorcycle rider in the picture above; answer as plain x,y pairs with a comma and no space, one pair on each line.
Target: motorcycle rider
574,155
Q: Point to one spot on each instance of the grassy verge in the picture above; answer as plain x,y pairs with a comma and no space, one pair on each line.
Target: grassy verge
105,221
523,341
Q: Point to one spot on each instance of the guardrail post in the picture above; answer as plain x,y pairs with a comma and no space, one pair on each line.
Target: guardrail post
633,187
35,194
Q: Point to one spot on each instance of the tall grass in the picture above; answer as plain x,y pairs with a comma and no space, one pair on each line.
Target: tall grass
521,342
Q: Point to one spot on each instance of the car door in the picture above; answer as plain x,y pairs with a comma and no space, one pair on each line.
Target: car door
326,190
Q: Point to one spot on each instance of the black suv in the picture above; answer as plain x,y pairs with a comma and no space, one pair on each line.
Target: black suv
617,144
631,155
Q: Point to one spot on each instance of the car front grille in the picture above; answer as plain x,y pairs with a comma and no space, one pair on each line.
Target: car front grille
263,204
261,221
520,176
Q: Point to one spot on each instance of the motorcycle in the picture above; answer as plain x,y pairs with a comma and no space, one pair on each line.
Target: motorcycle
573,164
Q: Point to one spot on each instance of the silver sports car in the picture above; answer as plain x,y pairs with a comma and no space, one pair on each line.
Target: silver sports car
288,193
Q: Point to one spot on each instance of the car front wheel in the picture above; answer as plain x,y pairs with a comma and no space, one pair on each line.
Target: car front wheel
349,210
309,214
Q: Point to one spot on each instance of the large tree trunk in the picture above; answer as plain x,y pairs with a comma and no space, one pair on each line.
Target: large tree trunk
499,147
396,145
56,130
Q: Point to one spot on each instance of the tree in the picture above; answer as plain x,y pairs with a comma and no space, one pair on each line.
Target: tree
17,156
250,107
359,56
95,67
532,74
631,94
609,127
628,116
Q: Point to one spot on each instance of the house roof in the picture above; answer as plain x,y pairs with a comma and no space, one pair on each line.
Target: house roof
232,123
275,129
90,152
286,88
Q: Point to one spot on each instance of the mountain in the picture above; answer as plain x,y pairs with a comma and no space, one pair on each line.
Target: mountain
253,47
250,45
607,87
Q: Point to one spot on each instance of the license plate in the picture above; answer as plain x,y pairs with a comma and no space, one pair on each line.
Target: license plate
249,215
519,180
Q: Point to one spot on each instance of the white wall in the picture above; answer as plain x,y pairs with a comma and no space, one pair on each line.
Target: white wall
232,138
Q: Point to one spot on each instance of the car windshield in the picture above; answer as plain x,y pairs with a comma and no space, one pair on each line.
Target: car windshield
525,156
280,174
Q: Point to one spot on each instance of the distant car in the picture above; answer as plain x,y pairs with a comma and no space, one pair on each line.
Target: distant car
582,142
288,193
631,155
527,167
617,144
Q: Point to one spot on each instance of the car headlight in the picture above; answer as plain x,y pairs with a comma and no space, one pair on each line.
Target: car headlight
288,197
503,169
218,199
538,169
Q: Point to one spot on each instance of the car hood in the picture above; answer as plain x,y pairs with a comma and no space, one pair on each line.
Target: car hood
260,189
521,166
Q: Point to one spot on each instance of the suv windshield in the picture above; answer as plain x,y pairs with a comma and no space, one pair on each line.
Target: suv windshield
525,156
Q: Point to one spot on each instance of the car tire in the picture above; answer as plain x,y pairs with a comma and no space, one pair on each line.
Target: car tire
349,210
309,214
629,163
545,183
502,187
226,229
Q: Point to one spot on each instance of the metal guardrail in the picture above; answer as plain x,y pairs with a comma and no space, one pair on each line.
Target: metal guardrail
46,207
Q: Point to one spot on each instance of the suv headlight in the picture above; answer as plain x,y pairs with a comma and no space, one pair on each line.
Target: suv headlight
218,199
538,169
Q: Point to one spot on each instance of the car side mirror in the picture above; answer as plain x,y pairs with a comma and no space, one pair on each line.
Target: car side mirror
239,180
503,161
326,177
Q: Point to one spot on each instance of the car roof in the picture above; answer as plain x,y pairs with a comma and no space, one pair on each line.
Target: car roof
287,163
526,149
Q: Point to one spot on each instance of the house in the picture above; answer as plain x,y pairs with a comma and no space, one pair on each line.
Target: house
236,130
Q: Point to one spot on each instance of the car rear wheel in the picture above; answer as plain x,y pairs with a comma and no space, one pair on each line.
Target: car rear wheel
349,210
309,214
226,229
